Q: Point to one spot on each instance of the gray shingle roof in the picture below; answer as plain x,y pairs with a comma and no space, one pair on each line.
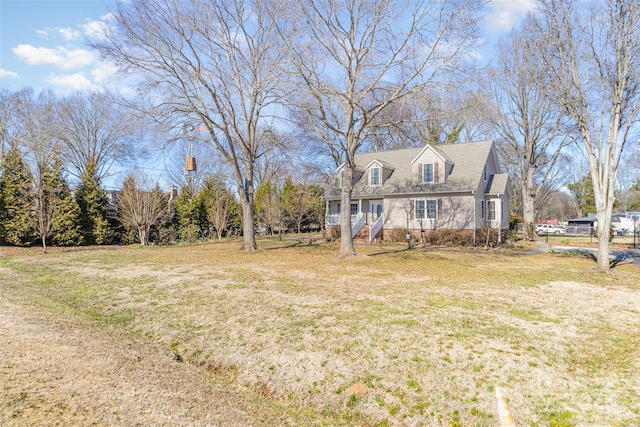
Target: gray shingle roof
468,160
498,184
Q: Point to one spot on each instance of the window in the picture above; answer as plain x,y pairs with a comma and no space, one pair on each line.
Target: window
354,208
482,213
420,209
432,208
427,172
375,176
484,173
426,208
492,210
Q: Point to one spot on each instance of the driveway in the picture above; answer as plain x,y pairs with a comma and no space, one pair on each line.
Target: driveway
617,256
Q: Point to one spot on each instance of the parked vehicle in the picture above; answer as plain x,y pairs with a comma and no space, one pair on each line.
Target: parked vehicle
549,229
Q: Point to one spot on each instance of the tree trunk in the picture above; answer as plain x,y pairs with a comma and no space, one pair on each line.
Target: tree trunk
44,245
248,229
604,207
142,232
346,241
528,199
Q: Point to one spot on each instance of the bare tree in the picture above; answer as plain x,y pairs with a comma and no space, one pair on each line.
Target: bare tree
592,59
95,130
269,205
139,207
355,58
36,116
9,121
214,62
532,131
220,208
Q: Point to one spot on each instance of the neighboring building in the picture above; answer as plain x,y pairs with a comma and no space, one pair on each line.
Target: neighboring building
452,187
584,225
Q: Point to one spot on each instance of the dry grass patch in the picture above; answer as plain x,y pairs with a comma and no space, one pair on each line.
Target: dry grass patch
393,337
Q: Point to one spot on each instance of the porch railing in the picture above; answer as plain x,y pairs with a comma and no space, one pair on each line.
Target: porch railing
375,228
357,221
332,220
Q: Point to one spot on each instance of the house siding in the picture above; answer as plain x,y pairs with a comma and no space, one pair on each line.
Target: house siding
454,212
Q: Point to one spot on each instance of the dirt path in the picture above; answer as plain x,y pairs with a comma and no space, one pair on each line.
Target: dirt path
54,372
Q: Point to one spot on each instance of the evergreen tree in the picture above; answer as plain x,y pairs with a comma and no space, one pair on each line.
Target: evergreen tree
67,225
92,200
582,191
584,195
16,218
190,215
301,204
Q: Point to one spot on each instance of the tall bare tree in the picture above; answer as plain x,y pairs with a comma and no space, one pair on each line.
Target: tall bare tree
355,58
212,62
140,207
9,121
220,206
94,129
532,131
36,116
592,57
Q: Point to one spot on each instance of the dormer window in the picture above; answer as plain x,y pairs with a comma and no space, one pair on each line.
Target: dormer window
427,172
374,175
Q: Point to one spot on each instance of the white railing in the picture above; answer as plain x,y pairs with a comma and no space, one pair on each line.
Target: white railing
375,228
359,222
332,220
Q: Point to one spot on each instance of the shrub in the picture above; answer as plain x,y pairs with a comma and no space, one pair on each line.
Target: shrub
449,237
397,235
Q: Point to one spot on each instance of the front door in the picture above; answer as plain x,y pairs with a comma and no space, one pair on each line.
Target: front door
376,209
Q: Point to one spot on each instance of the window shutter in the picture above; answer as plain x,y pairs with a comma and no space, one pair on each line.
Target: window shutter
412,207
439,208
436,176
420,177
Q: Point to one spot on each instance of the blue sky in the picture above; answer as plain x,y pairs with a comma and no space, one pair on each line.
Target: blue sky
43,42
43,45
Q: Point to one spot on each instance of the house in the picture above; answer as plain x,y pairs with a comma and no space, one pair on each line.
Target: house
434,187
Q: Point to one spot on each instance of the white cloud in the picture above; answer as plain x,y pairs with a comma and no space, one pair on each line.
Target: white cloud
8,74
75,81
43,33
60,57
94,29
104,73
68,33
506,14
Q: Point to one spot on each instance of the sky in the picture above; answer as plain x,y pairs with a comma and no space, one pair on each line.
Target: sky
43,43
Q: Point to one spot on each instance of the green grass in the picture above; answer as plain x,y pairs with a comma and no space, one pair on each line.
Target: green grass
431,332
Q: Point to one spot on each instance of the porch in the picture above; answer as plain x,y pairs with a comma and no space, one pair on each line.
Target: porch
367,218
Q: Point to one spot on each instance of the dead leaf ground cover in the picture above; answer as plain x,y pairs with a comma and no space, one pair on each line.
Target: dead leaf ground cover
290,335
